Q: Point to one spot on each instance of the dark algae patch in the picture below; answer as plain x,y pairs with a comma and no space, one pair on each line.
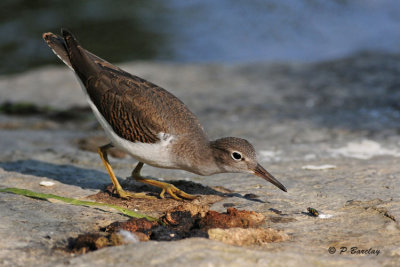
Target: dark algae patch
21,108
30,109
93,241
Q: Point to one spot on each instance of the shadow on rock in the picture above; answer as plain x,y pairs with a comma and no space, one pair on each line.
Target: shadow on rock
195,188
189,187
67,174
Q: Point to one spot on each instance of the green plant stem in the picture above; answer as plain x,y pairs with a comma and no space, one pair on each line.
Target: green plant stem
28,193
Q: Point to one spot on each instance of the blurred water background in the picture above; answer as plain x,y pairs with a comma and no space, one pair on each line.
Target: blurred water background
199,30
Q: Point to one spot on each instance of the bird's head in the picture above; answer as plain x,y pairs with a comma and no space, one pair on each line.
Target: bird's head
234,154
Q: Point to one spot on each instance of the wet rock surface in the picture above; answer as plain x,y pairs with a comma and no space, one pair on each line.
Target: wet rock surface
342,113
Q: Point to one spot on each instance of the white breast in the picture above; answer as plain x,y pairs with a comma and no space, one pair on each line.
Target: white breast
157,154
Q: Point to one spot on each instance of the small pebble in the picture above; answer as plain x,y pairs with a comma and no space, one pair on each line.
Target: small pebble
46,183
325,216
276,211
313,212
128,236
251,196
318,167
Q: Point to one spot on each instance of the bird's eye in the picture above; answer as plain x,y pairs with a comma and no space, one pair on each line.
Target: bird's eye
236,156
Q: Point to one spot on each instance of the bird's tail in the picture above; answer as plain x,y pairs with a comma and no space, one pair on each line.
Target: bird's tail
57,44
78,56
71,53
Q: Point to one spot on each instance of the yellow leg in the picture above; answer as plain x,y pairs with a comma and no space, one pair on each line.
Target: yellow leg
169,188
117,187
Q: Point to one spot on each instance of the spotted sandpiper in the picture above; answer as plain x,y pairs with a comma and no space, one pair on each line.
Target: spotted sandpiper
151,124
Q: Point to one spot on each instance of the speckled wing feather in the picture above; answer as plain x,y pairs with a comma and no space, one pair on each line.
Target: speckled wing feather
136,109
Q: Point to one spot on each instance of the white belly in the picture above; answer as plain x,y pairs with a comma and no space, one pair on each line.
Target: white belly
157,154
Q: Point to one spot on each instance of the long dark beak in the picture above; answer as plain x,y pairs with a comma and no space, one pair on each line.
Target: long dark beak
260,171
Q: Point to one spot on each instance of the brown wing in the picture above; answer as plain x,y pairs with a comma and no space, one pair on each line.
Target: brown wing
136,109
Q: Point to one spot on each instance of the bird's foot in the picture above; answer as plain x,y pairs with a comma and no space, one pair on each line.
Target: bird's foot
174,192
127,195
166,187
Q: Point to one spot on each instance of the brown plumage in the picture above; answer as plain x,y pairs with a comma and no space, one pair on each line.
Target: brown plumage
124,99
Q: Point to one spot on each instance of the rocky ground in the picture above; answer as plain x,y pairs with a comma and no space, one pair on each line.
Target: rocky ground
344,113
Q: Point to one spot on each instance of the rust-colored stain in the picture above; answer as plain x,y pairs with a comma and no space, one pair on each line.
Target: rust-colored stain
132,225
237,227
232,218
